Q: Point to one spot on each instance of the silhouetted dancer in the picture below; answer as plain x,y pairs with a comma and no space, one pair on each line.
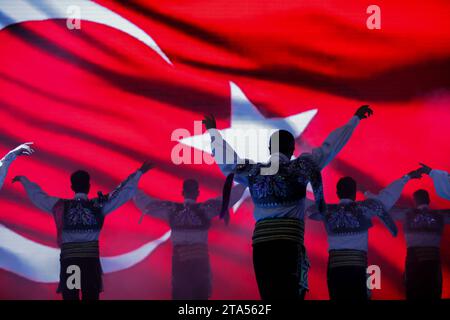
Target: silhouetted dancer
23,149
347,225
441,181
78,224
278,190
423,228
190,222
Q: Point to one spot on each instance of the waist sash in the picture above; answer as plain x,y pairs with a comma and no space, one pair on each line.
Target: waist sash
88,249
279,229
190,252
347,258
423,254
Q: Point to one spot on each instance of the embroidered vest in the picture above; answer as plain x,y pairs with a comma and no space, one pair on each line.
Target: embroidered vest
77,215
424,220
186,216
286,187
349,218
82,216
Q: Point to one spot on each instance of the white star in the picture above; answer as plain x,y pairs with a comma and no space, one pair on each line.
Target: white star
245,117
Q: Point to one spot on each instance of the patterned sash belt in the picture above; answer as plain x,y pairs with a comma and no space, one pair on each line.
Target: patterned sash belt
346,258
190,252
80,250
423,254
279,229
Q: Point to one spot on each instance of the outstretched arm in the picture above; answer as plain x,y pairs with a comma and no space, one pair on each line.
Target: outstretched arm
153,207
226,157
379,205
23,149
398,213
37,196
126,190
390,195
4,166
315,178
374,207
338,138
441,181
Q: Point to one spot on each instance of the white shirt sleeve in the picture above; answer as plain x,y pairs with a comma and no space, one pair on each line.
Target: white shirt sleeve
390,195
441,181
153,207
334,143
226,158
398,214
4,166
38,197
124,192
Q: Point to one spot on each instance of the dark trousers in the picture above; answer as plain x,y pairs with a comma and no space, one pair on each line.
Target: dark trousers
276,265
191,273
90,278
423,278
347,283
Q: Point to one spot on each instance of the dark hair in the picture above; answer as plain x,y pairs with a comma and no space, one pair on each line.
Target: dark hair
80,181
282,141
421,196
346,188
190,185
190,188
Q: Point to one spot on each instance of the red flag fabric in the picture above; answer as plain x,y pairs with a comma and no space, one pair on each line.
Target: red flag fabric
97,98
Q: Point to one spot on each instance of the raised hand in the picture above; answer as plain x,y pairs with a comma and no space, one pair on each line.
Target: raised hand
364,112
209,121
17,179
102,197
425,169
146,166
416,174
23,149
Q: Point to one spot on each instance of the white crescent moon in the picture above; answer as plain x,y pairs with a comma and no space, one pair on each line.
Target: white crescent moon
18,254
17,11
40,263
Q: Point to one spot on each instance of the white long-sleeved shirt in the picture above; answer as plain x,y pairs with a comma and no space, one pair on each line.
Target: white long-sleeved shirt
322,156
441,181
359,241
4,166
164,209
419,238
124,192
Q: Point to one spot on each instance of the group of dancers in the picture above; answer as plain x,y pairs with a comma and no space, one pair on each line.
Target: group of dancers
280,207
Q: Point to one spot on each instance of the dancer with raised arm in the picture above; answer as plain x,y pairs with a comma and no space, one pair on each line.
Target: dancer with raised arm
278,190
23,149
441,180
423,228
347,225
78,223
190,222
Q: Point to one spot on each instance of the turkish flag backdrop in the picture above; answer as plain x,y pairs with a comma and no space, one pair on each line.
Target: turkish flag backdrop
100,100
